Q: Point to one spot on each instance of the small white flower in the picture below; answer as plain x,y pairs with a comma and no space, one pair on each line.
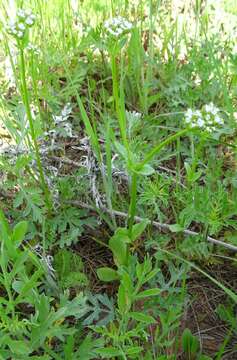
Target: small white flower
29,21
20,34
211,108
23,20
200,122
21,13
112,32
188,116
117,26
197,113
28,12
21,26
215,111
11,23
189,113
218,120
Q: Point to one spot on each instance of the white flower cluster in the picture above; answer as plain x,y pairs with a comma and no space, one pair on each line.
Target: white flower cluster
32,48
24,20
207,118
117,26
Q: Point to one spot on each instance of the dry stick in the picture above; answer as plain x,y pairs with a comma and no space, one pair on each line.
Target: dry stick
154,223
67,161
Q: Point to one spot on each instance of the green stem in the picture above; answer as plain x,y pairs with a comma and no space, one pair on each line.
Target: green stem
120,115
133,200
25,97
157,148
120,110
178,165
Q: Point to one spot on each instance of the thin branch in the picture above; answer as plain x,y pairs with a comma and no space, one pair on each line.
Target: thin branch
156,224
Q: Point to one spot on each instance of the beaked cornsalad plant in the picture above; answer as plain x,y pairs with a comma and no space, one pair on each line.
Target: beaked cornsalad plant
109,88
19,28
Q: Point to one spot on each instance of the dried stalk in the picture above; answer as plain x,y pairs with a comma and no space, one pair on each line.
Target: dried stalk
156,224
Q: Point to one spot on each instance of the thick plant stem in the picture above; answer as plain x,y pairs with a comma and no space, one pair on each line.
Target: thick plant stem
159,147
155,151
133,200
121,120
119,107
32,131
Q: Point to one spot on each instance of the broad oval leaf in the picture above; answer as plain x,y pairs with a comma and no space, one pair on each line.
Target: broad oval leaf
118,247
19,232
148,293
138,229
132,350
146,170
107,274
138,316
124,302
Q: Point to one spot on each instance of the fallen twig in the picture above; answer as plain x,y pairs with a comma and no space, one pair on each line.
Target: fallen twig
153,223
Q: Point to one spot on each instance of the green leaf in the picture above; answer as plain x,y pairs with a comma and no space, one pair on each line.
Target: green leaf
89,129
151,274
5,236
107,274
126,281
4,227
146,170
176,228
109,352
87,348
121,150
124,302
138,316
19,347
138,229
29,285
19,232
190,343
101,310
148,293
118,247
228,291
132,350
18,200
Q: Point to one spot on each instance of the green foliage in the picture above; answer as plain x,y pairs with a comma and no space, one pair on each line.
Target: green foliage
120,155
70,270
101,310
69,224
39,320
190,344
195,248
